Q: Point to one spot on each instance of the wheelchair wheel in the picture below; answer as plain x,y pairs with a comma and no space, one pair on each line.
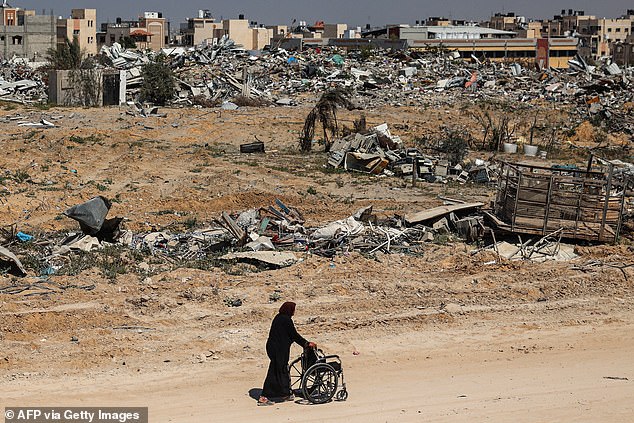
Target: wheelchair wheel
295,371
342,395
319,383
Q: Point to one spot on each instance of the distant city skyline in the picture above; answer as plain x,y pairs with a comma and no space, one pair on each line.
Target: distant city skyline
283,12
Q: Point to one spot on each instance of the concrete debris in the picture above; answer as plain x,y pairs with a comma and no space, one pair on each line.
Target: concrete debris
379,152
215,73
437,212
261,243
21,82
556,251
16,266
76,242
276,259
273,236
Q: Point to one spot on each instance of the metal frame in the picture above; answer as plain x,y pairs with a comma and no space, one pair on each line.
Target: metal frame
539,200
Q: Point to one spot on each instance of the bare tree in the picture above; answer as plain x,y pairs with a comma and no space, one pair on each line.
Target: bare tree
325,111
497,127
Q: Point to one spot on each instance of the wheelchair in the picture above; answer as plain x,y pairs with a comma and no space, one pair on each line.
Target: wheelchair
316,376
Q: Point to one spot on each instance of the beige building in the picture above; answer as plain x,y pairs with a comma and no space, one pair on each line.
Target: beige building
199,30
599,34
261,38
334,30
242,33
504,22
81,26
148,32
157,30
239,31
279,30
436,21
530,30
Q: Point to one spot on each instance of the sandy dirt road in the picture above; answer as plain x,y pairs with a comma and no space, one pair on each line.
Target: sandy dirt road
477,372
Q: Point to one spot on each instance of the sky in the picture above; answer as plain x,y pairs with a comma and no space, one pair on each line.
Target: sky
355,13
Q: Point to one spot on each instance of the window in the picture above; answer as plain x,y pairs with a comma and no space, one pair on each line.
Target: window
76,32
618,30
17,40
91,40
609,29
90,24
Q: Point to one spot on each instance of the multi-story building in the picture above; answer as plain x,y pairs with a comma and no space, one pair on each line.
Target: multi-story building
518,24
448,32
597,35
547,52
157,27
239,31
199,30
505,21
204,28
485,43
82,26
25,34
151,31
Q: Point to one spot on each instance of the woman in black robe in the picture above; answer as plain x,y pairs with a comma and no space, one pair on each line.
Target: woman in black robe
278,347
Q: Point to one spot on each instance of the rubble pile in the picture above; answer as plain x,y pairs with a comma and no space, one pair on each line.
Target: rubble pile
223,69
270,236
21,83
378,152
217,72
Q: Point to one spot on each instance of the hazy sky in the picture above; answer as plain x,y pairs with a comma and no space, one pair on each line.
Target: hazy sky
351,12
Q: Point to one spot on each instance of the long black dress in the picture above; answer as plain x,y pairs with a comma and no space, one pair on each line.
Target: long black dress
278,347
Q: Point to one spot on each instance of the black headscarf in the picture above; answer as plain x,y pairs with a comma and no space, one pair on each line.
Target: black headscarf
288,308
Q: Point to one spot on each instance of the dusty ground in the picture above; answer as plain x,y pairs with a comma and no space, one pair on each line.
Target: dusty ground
445,336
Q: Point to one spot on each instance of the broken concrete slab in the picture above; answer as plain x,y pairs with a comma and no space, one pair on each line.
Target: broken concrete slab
440,211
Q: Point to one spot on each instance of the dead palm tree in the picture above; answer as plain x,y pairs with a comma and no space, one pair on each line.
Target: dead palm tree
325,111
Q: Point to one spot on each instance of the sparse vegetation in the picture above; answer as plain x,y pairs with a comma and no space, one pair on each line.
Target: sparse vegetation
158,82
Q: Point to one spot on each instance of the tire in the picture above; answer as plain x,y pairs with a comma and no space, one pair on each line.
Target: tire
319,383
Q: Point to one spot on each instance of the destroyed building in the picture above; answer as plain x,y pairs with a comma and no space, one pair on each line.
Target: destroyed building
25,34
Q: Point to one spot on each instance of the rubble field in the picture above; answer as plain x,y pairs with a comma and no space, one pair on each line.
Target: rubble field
455,321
